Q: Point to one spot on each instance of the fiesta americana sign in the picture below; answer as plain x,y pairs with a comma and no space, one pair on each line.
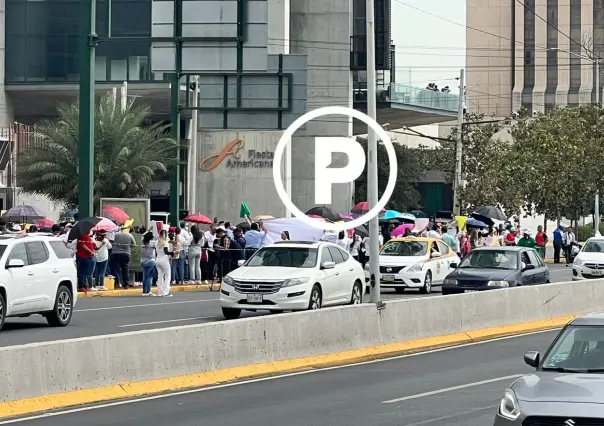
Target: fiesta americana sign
233,152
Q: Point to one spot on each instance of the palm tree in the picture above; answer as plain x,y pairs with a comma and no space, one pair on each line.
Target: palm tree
128,153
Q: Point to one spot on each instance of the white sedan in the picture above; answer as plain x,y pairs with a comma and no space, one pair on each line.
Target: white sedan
292,276
589,263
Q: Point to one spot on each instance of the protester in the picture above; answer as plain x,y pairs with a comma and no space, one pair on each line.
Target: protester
101,246
558,240
222,244
343,241
178,259
162,263
285,236
527,240
450,240
253,238
238,245
85,261
355,247
197,242
568,241
541,240
148,258
121,253
211,253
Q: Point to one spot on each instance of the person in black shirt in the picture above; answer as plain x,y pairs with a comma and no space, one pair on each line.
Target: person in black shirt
222,245
238,244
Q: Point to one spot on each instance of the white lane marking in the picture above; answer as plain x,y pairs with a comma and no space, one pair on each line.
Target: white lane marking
262,379
453,388
145,305
451,416
164,322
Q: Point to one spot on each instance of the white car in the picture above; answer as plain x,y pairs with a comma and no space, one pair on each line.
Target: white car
414,263
37,276
589,262
292,276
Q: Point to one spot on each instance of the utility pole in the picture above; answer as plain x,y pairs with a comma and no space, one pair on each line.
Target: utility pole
192,157
175,114
372,171
459,150
288,173
88,41
597,200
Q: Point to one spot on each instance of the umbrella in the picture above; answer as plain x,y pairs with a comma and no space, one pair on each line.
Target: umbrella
84,226
316,216
244,226
264,217
400,230
71,214
475,223
419,214
362,207
325,213
23,213
105,225
198,218
115,213
390,215
361,231
489,212
407,217
44,223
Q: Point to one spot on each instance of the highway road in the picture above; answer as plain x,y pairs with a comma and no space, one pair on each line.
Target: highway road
109,315
458,386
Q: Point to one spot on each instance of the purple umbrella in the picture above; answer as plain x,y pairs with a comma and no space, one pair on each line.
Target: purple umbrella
23,214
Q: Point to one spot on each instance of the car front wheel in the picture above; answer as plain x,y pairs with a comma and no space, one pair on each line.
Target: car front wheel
427,288
316,299
357,294
2,310
230,313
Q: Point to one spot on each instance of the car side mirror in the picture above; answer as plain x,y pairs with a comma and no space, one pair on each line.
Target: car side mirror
328,265
453,265
528,268
15,263
240,262
532,359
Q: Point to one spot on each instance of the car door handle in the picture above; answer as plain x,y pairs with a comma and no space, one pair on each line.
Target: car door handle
56,271
30,273
351,269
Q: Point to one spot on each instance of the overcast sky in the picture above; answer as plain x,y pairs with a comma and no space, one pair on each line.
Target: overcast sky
429,49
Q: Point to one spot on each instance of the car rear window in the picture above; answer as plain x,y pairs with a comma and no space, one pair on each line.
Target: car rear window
60,250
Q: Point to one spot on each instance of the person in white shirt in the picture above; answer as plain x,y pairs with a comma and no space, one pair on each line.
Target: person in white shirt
343,240
211,263
71,245
568,241
102,247
355,247
185,240
330,237
162,263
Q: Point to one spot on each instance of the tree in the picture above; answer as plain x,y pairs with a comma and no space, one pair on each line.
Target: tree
562,154
490,179
128,153
412,166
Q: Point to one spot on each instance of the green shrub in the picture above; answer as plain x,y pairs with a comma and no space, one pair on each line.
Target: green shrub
587,231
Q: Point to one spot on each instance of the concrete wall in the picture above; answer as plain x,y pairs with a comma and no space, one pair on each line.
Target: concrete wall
6,110
321,30
53,367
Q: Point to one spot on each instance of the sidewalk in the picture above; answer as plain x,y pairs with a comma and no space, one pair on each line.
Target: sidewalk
137,291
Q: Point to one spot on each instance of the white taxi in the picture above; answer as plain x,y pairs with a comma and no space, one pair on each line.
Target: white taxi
589,263
409,262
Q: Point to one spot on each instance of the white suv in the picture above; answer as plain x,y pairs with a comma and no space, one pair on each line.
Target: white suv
37,276
292,276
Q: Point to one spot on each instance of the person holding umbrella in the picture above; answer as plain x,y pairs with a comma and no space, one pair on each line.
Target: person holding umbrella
85,257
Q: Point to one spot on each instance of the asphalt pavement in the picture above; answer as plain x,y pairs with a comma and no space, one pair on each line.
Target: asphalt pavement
458,386
110,315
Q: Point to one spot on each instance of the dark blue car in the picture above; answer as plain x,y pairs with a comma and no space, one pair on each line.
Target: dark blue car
490,268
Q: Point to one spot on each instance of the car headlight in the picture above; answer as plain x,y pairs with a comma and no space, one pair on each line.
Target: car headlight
295,281
227,280
578,262
416,268
450,281
509,407
498,284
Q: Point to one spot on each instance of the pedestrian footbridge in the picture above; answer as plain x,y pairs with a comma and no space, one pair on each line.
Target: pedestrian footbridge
402,105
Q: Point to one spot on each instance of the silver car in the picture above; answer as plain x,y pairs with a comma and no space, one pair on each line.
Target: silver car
567,387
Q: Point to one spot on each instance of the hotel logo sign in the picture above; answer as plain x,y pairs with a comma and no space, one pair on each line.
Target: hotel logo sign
237,157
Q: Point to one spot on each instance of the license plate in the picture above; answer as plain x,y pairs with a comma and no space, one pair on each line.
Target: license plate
598,272
254,298
389,278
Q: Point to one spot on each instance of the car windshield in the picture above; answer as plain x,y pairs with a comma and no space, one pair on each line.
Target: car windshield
405,248
578,349
491,259
287,257
594,247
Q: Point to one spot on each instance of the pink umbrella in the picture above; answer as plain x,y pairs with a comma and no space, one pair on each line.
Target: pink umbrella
362,207
400,230
105,225
116,214
44,223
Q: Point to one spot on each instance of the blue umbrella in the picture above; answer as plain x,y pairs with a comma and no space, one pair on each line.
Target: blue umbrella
475,223
407,217
390,214
69,215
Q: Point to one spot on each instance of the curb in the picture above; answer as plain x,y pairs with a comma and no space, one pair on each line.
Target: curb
128,390
138,290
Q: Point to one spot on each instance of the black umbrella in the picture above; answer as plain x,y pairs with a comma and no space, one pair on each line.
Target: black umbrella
326,213
83,227
23,214
489,212
361,231
244,225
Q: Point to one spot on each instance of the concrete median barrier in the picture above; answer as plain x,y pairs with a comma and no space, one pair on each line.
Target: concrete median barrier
98,362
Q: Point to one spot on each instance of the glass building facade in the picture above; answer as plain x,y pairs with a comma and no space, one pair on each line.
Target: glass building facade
42,41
